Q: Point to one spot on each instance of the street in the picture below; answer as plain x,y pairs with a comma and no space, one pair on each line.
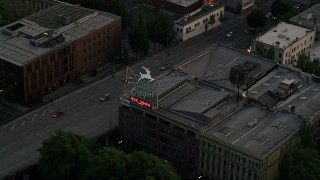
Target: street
83,112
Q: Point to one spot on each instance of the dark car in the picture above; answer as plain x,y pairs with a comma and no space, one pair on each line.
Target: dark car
57,114
165,67
249,31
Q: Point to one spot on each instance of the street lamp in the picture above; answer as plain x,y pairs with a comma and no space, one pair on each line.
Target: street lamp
114,66
168,43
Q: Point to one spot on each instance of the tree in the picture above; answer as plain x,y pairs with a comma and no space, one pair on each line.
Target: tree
12,10
65,155
306,164
137,35
147,166
280,7
256,19
110,163
221,18
212,20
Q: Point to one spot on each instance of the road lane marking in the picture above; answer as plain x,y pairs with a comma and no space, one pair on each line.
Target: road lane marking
44,112
13,127
33,117
23,123
2,132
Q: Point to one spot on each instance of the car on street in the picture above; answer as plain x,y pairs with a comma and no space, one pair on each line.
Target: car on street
57,114
165,67
127,79
229,34
105,97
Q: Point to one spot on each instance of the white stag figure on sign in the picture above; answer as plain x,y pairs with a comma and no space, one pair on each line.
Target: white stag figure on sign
145,76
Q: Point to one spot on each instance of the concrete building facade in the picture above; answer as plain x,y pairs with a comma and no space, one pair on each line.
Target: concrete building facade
285,42
198,22
46,50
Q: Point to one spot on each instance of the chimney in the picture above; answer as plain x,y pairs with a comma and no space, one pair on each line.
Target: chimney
277,44
208,102
293,109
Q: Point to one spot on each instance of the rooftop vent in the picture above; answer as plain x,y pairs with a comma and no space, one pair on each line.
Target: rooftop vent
64,20
280,126
263,139
252,123
225,130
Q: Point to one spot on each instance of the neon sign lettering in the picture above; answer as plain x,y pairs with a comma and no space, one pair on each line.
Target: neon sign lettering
140,102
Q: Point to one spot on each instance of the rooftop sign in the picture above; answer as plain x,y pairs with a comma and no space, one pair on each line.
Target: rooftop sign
141,87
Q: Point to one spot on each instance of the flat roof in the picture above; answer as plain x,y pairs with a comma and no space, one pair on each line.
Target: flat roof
195,101
203,11
15,38
308,18
307,102
184,3
284,33
259,139
215,65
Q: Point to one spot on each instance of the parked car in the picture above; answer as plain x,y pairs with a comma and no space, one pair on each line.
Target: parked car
268,14
105,97
298,5
57,114
229,34
165,67
249,31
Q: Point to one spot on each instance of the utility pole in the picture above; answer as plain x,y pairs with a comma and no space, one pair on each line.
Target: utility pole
110,127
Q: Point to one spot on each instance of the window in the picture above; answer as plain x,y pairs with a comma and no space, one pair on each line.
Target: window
191,133
137,111
164,122
150,116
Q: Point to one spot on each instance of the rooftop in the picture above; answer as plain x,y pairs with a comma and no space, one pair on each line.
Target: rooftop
284,33
215,65
203,11
33,36
184,3
308,18
253,129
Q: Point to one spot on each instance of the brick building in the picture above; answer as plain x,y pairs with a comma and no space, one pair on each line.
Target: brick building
219,129
45,50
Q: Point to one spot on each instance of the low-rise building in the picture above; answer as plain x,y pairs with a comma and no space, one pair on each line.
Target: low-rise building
181,7
45,50
310,18
243,6
284,42
198,22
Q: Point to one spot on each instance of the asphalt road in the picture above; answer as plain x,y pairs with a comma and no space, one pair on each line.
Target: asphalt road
84,113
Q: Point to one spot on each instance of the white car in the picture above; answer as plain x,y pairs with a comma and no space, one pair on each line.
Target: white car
268,14
229,34
105,97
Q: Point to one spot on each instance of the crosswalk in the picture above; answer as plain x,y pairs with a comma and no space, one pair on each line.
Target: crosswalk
43,116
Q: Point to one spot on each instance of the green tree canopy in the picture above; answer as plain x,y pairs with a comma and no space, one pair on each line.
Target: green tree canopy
12,10
256,19
65,155
280,7
306,164
148,166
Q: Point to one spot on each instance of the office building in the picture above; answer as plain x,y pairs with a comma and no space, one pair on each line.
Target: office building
45,50
226,114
